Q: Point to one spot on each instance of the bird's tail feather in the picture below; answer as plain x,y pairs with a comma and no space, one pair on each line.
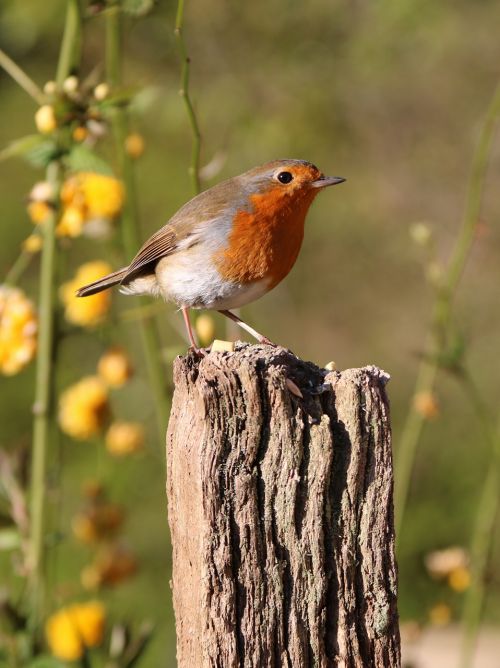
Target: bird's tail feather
102,283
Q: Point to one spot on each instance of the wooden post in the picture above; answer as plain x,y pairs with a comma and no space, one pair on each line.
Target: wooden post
280,509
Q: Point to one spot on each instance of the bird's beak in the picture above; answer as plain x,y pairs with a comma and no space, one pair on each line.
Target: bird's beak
325,181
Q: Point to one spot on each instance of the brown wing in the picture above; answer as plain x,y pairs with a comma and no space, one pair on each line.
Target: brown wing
202,209
161,243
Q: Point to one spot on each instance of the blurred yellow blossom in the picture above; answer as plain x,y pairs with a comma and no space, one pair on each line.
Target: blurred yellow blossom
134,145
98,522
459,578
112,565
45,119
71,222
114,367
440,614
88,197
32,244
70,84
72,629
426,404
39,212
86,311
124,438
18,330
101,91
83,408
205,329
80,133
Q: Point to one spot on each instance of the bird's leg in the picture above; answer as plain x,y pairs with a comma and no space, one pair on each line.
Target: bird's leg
250,330
187,322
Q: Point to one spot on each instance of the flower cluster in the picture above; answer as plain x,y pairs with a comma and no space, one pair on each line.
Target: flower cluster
89,201
72,630
88,311
84,407
18,330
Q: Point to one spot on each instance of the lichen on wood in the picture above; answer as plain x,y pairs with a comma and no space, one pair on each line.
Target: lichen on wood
280,509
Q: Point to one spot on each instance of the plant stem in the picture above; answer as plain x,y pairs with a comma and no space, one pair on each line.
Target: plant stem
18,268
194,169
21,78
483,531
130,218
69,55
44,384
442,311
42,407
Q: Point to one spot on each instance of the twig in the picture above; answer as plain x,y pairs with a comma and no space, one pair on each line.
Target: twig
130,218
44,384
69,55
18,268
42,408
21,78
194,169
483,532
442,311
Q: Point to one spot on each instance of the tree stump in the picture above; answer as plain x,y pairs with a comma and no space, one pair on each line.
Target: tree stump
280,509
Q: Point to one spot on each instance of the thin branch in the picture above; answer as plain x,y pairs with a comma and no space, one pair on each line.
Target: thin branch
442,311
71,45
194,169
21,78
130,217
44,384
18,268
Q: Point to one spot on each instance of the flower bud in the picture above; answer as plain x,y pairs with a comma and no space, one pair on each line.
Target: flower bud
45,119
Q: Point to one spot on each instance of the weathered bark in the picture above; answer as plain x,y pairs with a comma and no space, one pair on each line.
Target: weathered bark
280,509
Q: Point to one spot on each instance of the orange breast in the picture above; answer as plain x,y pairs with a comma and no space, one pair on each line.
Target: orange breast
264,242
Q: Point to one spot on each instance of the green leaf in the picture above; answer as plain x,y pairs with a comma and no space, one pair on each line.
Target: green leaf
41,154
83,159
138,7
22,146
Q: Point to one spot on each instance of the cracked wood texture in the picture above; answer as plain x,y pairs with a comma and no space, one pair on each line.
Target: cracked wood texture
280,509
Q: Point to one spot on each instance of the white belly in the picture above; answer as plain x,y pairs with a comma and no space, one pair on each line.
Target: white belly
191,279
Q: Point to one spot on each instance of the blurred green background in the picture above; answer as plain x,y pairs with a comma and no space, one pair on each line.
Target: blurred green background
389,95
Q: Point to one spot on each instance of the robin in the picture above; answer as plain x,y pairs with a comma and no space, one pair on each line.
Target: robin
227,246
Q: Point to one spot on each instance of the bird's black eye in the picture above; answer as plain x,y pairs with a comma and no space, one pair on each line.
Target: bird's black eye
285,177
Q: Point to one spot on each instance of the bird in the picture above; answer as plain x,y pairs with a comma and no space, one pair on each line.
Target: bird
227,246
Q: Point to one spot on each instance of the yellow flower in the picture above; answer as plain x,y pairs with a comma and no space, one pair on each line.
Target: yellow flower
45,119
426,404
72,629
32,244
38,212
80,133
86,311
124,438
18,330
459,579
114,367
71,223
205,328
83,408
134,145
87,197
